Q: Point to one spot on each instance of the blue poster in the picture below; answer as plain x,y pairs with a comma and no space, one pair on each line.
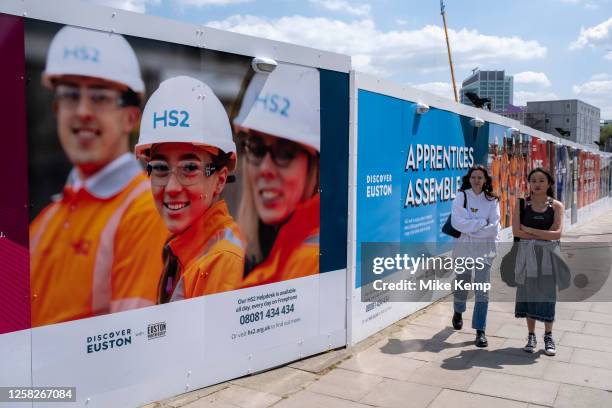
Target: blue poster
409,167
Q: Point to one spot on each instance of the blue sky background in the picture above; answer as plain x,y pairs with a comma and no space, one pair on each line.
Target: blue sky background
556,49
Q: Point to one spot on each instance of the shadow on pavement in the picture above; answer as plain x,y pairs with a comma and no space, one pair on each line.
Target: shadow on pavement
433,345
496,359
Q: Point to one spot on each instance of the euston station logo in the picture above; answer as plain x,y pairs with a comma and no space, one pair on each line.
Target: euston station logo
156,330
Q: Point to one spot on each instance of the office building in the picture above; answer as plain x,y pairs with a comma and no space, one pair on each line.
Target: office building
571,119
489,84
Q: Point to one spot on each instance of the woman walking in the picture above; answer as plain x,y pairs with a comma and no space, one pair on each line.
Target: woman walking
538,224
475,213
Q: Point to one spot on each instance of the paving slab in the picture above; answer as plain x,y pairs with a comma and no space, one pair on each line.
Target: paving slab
567,314
398,394
374,362
593,317
592,358
185,399
584,306
598,329
525,364
345,384
565,325
577,374
246,398
281,381
313,400
572,396
434,374
586,341
321,362
514,387
602,307
457,399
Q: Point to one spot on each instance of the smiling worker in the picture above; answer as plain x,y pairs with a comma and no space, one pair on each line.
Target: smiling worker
280,201
186,138
95,249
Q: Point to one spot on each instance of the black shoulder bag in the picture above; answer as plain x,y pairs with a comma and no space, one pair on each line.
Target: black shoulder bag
447,228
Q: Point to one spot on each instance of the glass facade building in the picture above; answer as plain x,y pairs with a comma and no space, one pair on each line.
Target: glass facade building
489,84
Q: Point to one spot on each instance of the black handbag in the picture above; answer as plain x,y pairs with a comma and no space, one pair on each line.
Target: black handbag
508,262
447,228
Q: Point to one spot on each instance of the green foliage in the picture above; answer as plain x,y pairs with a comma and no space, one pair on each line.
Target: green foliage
606,132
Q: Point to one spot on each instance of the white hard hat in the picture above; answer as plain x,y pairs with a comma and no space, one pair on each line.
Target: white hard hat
80,51
185,110
287,106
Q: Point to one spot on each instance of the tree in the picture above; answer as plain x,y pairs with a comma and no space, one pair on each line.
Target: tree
606,132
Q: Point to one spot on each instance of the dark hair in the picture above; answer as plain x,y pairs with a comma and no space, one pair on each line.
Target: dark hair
487,187
551,181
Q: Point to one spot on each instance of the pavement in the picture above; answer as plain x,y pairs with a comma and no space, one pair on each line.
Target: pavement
421,361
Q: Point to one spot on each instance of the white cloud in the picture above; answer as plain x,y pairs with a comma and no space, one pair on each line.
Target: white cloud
345,6
522,97
138,6
596,36
596,93
608,56
387,52
532,79
594,88
444,89
601,77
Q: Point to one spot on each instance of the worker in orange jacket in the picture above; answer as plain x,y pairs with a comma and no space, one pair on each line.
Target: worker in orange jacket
186,138
95,249
280,203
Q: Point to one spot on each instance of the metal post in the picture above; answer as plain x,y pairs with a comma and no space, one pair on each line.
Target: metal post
450,60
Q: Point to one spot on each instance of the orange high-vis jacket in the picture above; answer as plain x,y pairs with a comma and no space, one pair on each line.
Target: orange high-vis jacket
97,250
295,252
210,254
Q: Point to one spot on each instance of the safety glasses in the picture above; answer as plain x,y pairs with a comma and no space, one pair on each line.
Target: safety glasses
187,172
100,99
282,151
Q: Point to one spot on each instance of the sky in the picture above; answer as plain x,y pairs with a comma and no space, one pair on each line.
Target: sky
555,49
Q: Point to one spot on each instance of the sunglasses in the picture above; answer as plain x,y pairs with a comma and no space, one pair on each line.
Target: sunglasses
282,152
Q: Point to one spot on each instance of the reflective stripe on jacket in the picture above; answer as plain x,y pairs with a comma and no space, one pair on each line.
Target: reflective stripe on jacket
93,252
295,252
210,255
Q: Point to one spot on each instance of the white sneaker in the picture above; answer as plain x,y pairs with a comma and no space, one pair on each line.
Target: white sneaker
549,345
532,342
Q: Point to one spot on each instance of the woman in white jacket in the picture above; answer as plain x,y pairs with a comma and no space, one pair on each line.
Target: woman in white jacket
478,222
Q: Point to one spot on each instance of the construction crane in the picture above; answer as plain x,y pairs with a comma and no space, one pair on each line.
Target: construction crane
450,60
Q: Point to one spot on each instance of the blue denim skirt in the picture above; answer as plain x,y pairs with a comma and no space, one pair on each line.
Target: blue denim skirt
536,299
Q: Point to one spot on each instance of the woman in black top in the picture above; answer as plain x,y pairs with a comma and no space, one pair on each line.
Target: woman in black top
542,220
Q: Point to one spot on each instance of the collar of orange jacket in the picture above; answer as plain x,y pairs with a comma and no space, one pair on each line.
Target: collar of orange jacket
304,222
191,243
106,183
